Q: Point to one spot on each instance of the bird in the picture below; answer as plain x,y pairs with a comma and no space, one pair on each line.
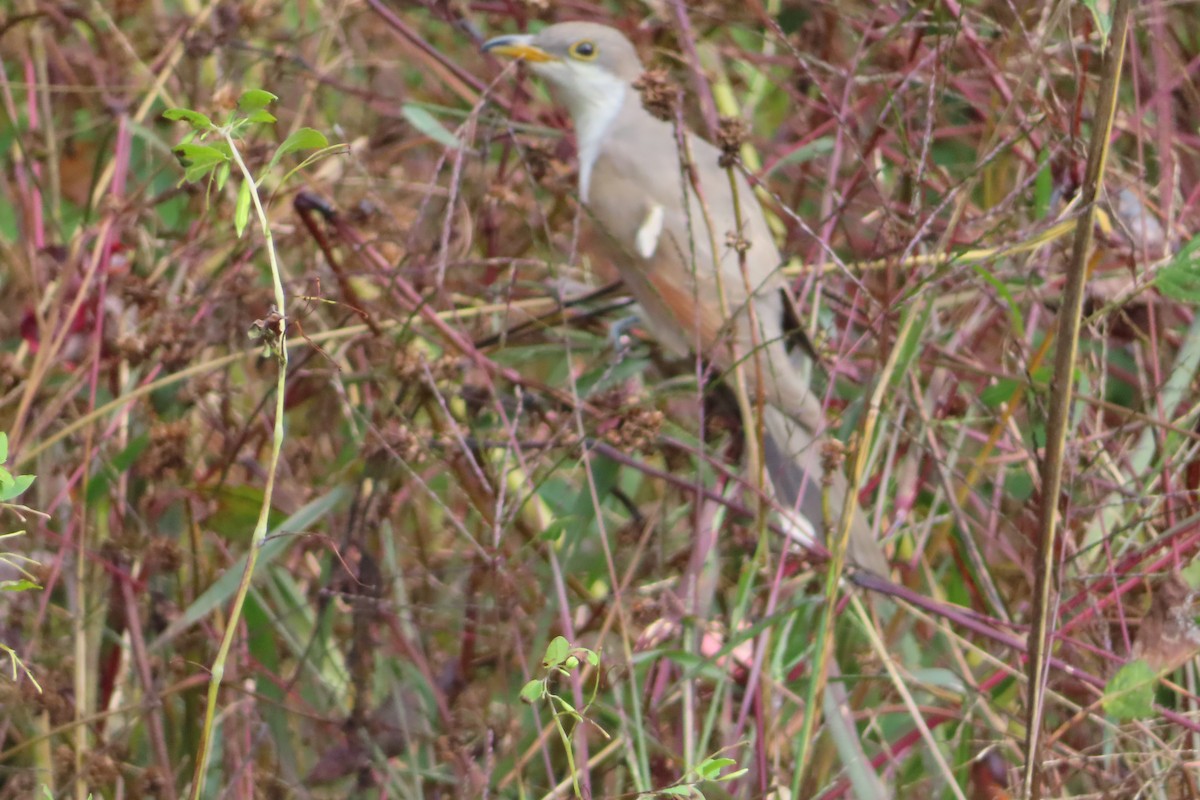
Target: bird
692,244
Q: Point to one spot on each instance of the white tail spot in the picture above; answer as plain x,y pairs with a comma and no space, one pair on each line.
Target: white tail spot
649,233
798,528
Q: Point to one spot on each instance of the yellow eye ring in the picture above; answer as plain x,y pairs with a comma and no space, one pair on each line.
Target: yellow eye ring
585,50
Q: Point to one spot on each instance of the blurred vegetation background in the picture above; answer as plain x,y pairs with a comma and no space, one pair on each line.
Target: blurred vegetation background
481,456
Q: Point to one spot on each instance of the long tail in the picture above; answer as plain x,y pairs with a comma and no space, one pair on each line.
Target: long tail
793,459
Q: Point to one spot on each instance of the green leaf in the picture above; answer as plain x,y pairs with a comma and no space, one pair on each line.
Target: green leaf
605,375
196,174
532,691
261,115
555,529
3,448
256,99
1043,186
427,124
1018,485
1103,18
19,484
1129,694
814,149
1000,392
1016,319
940,677
566,706
710,768
556,652
910,347
303,139
605,473
223,175
241,214
1191,574
132,452
1180,279
194,118
191,154
677,791
276,544
198,159
18,585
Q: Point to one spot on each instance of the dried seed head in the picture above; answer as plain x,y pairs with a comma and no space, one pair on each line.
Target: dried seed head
397,440
833,453
732,133
636,430
736,242
660,96
167,453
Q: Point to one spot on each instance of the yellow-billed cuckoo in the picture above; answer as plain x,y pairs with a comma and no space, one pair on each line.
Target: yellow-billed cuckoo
675,249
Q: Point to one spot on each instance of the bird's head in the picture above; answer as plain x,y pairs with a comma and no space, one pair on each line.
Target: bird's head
587,64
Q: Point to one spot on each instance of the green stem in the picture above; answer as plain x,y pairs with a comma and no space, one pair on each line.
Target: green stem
264,512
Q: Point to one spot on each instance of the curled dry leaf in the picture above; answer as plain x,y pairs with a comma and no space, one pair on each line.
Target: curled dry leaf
1169,635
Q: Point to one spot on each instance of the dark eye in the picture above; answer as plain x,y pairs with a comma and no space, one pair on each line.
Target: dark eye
585,50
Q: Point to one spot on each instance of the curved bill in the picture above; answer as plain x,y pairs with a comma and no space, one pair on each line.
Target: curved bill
517,46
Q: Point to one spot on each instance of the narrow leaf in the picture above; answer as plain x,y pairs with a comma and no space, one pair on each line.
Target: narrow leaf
427,124
1101,16
223,172
18,585
814,149
1043,187
241,214
275,545
1014,311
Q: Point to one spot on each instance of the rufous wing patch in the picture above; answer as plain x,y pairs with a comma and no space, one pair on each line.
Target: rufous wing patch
672,287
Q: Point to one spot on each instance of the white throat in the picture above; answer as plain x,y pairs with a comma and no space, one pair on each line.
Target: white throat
594,99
